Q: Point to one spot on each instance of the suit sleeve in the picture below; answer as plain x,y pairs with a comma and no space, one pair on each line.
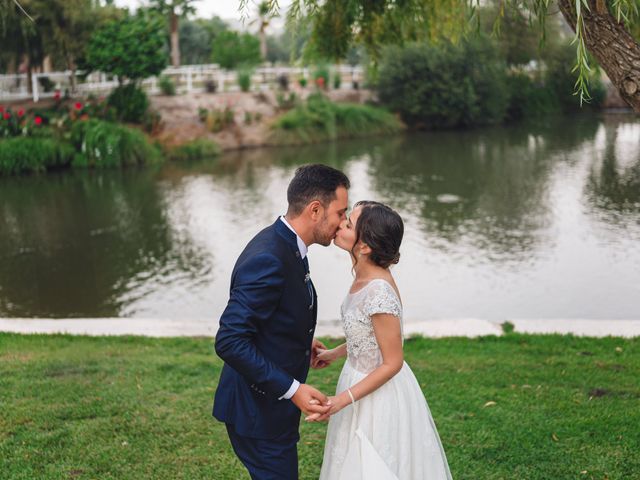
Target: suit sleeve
255,294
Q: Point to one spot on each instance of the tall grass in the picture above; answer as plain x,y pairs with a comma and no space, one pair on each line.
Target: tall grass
195,150
320,119
29,154
105,144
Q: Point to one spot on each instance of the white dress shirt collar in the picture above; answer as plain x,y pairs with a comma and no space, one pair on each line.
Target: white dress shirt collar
301,245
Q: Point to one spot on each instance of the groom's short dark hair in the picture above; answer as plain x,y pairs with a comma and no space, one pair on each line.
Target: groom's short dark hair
314,182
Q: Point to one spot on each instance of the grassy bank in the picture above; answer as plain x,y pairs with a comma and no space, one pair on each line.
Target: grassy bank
319,119
130,408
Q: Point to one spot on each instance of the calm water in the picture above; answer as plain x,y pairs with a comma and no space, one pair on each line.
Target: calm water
521,222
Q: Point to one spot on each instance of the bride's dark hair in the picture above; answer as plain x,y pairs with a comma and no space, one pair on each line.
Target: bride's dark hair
380,227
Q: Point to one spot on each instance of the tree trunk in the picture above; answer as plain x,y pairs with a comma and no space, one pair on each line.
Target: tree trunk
263,44
612,45
175,44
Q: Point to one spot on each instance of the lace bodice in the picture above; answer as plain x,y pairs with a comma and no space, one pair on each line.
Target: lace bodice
378,296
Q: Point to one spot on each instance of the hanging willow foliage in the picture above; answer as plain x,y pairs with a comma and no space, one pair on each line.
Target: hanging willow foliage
375,23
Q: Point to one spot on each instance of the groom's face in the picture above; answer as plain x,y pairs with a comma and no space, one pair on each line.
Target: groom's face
334,214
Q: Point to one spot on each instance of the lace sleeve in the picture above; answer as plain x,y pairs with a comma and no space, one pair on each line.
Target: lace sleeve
382,298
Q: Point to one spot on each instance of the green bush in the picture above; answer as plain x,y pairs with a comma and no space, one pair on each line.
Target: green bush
231,49
337,80
194,150
105,144
130,103
320,119
131,48
167,87
444,85
528,98
24,155
321,72
244,79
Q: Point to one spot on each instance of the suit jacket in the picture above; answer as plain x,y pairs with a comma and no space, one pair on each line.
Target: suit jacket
265,336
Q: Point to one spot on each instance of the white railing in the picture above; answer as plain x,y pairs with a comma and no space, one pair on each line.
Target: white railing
187,79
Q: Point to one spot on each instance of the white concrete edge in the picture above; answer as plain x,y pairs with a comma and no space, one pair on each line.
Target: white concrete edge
465,327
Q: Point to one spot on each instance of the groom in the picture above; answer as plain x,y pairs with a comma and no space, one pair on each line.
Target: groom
266,331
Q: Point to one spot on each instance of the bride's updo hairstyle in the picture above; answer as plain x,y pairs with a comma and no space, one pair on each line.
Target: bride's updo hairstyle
381,228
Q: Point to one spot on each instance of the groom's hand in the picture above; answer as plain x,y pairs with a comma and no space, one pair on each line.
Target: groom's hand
311,401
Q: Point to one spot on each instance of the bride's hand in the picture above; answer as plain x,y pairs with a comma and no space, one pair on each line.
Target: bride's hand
324,357
337,403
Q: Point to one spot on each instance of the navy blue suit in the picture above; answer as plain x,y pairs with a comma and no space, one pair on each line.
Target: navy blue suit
265,338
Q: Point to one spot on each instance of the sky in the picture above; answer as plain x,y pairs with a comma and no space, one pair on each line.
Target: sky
225,9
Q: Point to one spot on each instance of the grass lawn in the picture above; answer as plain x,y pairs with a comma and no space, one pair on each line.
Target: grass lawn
138,408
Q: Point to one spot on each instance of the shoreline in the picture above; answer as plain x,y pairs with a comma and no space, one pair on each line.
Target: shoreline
466,327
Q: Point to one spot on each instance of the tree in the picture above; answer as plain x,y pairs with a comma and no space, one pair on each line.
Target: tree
173,10
231,49
197,37
132,48
603,28
264,18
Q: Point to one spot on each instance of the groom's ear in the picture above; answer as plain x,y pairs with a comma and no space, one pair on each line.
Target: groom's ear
315,210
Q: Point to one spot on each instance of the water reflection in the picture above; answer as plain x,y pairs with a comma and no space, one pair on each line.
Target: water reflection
537,221
83,244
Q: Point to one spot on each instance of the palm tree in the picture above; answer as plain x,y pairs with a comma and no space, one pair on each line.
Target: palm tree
173,10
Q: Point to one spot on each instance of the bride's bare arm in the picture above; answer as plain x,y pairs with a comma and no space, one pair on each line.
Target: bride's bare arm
389,338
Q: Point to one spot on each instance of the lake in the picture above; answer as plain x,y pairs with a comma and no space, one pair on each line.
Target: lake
538,221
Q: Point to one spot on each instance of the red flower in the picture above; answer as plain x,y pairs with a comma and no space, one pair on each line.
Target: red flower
320,81
6,116
78,106
20,112
56,95
38,120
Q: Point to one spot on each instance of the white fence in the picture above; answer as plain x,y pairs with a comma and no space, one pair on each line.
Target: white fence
187,78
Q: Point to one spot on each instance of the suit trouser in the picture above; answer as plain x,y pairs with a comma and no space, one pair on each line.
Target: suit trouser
272,459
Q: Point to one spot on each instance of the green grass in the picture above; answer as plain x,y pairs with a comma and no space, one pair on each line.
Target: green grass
320,119
132,408
195,150
29,154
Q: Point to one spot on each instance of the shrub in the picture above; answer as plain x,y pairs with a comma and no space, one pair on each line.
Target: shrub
244,79
445,85
231,49
24,155
337,81
286,102
528,99
321,76
320,119
131,48
196,149
283,82
217,119
167,87
105,144
130,103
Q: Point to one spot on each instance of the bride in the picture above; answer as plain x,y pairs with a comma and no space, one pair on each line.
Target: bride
380,426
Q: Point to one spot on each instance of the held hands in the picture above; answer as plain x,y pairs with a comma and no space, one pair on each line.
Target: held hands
336,403
311,401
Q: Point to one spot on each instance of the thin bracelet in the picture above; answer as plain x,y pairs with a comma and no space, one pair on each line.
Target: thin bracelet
351,395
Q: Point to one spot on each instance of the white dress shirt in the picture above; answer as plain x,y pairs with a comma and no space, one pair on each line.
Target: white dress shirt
303,253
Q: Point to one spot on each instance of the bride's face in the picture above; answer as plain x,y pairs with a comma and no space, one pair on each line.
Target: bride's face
346,235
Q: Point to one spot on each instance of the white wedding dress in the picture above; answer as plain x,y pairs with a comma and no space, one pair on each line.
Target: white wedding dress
389,434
